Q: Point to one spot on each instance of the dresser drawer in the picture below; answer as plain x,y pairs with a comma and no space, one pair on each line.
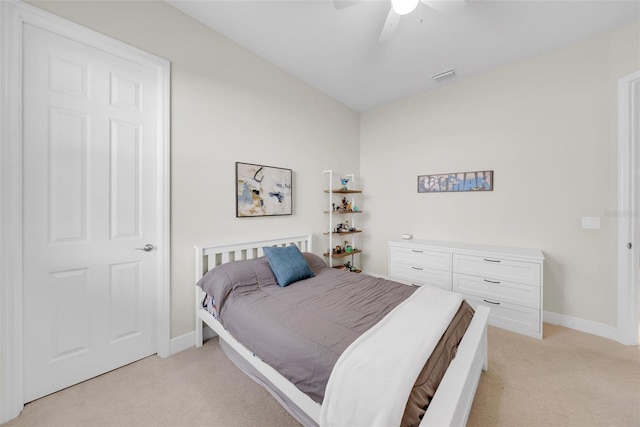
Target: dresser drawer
516,318
420,258
497,269
419,276
497,290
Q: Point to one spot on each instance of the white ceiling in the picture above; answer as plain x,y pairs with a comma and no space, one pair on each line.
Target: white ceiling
337,50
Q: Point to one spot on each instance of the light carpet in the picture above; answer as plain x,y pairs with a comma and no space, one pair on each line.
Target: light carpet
568,379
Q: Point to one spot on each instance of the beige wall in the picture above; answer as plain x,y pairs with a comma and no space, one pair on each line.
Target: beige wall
547,127
227,105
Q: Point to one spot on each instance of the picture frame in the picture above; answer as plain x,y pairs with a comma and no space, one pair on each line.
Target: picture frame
456,182
263,190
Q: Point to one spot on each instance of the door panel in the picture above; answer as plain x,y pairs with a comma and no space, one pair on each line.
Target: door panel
70,322
124,297
67,167
90,176
125,180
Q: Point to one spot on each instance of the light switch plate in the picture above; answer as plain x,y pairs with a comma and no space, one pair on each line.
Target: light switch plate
591,222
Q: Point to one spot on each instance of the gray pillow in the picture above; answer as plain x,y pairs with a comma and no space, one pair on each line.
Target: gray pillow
315,262
237,276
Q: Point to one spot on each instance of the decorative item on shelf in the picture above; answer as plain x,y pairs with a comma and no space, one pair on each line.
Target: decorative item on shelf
356,209
350,267
344,182
345,206
344,227
347,247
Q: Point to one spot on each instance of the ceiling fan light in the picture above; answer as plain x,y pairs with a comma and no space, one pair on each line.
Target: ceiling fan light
403,7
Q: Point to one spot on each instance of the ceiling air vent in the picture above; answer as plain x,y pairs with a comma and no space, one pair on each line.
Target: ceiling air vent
444,75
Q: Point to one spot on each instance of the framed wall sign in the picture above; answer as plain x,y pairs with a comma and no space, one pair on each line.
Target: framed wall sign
454,182
262,190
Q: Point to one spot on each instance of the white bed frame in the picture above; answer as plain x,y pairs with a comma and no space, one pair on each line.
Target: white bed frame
450,405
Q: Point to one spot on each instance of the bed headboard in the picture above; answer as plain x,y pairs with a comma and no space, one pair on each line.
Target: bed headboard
211,255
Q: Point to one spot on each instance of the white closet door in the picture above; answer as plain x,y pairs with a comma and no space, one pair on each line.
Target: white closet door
90,125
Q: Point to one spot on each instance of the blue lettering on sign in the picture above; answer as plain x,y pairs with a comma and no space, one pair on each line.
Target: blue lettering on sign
466,181
456,184
469,184
482,182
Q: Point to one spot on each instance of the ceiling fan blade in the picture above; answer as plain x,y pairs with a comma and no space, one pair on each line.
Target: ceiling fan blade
389,27
445,6
341,4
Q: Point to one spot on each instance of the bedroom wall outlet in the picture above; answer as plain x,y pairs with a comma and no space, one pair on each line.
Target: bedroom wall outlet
591,222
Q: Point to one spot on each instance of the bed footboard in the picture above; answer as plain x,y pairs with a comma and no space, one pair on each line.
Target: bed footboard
452,401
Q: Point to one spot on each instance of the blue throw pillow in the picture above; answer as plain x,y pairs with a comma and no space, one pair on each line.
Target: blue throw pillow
288,264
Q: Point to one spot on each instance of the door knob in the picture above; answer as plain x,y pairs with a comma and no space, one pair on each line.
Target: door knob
147,248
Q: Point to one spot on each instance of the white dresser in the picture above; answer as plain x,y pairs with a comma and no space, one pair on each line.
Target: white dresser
508,280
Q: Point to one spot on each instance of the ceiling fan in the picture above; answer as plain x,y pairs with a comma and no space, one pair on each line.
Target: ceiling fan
403,7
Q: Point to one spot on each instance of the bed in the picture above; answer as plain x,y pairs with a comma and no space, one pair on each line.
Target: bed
451,403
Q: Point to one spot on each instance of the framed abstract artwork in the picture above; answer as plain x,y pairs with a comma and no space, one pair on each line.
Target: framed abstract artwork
456,182
262,190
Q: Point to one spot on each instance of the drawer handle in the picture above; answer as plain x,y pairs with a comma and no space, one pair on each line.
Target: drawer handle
491,281
416,251
491,302
417,268
491,260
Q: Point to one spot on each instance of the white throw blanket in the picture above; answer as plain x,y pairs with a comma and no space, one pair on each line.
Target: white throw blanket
371,381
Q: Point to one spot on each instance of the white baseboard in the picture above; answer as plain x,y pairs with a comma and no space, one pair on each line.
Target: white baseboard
582,325
183,342
188,340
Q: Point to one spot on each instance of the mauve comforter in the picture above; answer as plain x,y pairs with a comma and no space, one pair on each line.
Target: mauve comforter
301,330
